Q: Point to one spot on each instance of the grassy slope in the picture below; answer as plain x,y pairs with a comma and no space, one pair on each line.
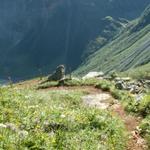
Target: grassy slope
52,119
139,72
130,49
57,119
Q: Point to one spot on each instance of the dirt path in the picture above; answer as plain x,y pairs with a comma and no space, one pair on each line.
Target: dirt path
136,142
102,100
27,84
98,100
105,101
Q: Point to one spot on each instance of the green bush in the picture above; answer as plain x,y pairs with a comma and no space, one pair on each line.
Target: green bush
141,107
104,85
144,106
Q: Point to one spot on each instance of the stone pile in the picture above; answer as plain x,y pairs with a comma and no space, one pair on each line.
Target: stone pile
57,75
145,83
134,87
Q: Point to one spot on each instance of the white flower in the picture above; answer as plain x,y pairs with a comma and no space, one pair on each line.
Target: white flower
11,127
62,116
3,125
51,134
35,106
23,134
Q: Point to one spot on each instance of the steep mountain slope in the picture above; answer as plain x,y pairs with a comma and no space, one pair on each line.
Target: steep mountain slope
138,72
130,49
42,34
109,28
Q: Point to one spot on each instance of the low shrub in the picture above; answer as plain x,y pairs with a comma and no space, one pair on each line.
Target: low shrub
104,85
144,106
145,129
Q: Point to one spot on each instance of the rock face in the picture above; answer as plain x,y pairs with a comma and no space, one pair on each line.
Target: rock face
58,75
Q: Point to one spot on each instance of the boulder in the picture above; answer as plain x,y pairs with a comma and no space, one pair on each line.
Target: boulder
58,75
125,79
120,85
135,89
93,75
139,97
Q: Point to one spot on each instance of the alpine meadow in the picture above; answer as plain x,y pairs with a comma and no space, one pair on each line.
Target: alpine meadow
74,75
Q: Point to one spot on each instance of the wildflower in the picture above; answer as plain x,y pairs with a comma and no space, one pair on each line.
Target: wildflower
51,134
23,134
11,127
2,126
62,116
36,106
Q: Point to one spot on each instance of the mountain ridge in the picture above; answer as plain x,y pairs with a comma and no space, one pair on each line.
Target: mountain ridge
130,49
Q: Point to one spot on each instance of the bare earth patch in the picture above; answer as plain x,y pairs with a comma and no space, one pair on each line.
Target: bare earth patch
136,142
105,101
102,100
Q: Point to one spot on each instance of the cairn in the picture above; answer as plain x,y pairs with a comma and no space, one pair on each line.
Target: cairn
57,75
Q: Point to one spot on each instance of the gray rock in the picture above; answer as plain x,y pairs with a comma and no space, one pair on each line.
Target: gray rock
139,97
135,89
125,79
93,75
120,85
59,74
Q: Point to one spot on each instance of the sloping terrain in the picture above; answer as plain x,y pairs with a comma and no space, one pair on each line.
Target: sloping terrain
71,117
139,72
110,27
42,34
56,119
130,49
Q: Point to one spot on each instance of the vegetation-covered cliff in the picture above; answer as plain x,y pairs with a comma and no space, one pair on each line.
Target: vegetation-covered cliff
129,49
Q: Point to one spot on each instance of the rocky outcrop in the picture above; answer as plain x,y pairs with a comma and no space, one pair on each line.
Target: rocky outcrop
134,87
57,75
93,75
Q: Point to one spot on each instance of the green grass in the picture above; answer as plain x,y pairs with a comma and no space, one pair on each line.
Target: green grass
132,106
140,107
42,120
104,85
139,72
73,82
145,129
127,50
57,119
